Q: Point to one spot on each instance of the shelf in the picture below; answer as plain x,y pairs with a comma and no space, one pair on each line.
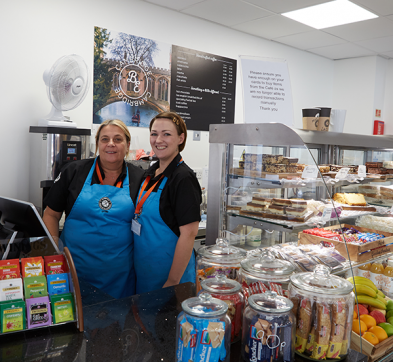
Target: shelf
258,182
285,226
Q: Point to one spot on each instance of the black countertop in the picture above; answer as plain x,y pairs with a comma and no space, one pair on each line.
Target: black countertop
141,328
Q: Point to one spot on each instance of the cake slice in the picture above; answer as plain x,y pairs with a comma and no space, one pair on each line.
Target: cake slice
299,204
355,199
282,202
255,207
261,200
276,209
293,211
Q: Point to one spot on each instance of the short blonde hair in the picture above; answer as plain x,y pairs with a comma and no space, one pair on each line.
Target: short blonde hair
177,121
114,122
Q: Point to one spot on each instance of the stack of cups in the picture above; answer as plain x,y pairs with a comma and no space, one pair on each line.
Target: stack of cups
324,119
311,118
316,119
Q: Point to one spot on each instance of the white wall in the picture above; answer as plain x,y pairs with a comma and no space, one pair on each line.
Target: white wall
37,33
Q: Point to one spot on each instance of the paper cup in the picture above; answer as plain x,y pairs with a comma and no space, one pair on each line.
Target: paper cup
324,119
310,118
337,120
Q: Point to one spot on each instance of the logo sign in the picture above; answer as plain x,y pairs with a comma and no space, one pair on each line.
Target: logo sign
105,204
133,82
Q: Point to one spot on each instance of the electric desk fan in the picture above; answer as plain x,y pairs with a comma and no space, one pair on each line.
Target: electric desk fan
67,83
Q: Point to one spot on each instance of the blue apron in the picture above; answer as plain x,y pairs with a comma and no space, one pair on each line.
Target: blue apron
155,247
98,234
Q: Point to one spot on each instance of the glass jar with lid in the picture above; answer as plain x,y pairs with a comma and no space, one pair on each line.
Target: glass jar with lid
203,330
263,272
220,258
268,329
323,305
229,291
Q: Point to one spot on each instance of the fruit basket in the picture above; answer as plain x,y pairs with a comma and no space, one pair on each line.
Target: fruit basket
373,352
376,320
359,253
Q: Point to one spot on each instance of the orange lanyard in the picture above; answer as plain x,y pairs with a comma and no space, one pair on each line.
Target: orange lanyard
146,195
100,177
140,202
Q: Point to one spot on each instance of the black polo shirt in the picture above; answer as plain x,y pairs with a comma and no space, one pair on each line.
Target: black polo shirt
68,185
181,197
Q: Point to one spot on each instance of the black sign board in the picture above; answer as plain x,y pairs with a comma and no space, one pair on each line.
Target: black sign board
202,88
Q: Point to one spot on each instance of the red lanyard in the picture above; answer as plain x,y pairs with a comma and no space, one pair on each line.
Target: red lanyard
146,195
100,176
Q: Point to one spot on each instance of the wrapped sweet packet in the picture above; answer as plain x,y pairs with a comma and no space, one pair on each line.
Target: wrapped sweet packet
209,340
9,269
32,266
187,342
58,283
38,312
35,287
11,289
55,264
13,316
62,307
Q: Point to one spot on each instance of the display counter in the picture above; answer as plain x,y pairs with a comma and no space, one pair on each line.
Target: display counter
135,329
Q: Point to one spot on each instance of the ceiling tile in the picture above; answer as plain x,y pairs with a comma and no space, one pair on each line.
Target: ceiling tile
226,12
379,7
342,51
272,27
363,30
310,39
379,45
175,4
282,6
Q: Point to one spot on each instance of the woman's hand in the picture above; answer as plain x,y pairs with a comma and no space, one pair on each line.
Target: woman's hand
183,252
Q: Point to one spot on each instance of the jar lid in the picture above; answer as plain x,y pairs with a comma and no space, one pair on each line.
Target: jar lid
321,281
270,302
221,285
222,252
266,264
204,306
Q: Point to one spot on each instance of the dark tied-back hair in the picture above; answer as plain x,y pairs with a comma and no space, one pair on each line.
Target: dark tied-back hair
179,123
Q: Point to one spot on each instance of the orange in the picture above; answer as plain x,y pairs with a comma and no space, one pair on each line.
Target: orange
370,321
355,326
371,337
379,332
355,314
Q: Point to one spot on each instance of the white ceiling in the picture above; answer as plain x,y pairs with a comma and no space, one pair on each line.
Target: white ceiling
262,18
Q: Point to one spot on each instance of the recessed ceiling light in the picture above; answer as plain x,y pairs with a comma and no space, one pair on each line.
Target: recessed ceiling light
330,14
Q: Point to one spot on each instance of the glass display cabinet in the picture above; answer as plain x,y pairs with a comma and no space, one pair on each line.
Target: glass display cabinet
269,160
311,198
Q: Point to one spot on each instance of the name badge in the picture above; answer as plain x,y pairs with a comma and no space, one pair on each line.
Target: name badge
136,227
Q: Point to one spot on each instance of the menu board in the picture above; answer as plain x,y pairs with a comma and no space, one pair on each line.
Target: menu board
202,88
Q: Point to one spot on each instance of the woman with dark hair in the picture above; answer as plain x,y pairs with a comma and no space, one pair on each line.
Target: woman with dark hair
98,197
167,212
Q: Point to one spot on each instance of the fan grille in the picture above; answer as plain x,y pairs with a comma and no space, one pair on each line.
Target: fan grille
69,81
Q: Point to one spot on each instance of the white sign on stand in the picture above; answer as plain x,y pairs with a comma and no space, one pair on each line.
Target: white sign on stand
310,171
362,171
267,94
342,173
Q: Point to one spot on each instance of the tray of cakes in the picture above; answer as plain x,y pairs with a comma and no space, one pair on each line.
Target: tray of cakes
377,194
293,210
260,165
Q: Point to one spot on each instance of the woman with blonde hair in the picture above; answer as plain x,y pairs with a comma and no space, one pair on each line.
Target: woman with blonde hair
98,197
